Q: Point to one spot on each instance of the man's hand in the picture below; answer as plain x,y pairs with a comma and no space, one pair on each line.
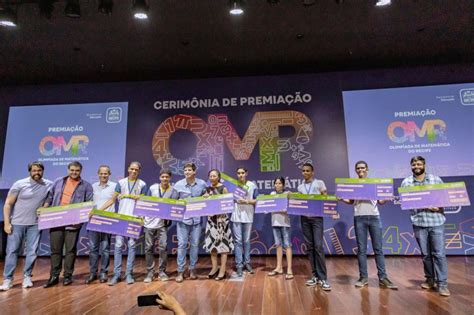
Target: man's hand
434,209
242,201
8,228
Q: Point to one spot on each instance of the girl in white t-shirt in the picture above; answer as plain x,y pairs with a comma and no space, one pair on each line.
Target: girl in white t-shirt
282,234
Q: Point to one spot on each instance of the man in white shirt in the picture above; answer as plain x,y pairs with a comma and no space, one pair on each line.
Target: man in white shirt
157,229
99,243
127,191
242,219
313,230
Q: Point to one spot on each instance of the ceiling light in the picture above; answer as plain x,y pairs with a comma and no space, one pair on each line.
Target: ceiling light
381,3
73,9
140,9
7,17
236,8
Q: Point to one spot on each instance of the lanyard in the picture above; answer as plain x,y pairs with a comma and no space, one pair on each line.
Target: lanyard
306,187
161,194
130,190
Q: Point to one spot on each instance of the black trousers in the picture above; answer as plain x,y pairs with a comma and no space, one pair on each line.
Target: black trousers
313,232
59,238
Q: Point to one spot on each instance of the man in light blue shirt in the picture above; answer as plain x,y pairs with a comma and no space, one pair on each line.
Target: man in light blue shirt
99,242
190,186
21,222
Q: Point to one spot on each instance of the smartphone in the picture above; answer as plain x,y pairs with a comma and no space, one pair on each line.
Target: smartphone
147,300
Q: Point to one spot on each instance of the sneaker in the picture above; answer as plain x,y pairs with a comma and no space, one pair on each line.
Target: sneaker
192,275
163,276
129,279
427,285
240,272
361,282
149,277
386,283
27,283
249,268
179,277
7,285
114,280
324,285
443,290
312,281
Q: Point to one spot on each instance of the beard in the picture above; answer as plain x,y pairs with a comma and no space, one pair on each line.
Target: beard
418,172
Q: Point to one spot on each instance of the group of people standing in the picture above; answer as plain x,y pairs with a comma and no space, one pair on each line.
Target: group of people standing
223,233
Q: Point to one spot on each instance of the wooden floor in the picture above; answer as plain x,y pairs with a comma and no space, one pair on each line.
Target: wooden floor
257,294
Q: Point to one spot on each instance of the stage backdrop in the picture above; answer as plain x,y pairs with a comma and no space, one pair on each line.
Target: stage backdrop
271,125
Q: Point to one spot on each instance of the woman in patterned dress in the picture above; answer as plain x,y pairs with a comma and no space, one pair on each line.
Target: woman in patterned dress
218,237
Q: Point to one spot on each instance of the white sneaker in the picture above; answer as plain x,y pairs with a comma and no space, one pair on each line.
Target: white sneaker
27,283
7,285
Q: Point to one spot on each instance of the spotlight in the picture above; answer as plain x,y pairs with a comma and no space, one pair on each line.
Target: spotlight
382,3
140,9
106,6
73,9
7,17
236,8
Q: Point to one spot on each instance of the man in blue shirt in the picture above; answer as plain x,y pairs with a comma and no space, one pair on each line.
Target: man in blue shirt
189,186
428,225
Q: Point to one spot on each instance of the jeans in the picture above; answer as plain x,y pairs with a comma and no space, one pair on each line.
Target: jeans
150,236
14,242
99,243
60,237
431,242
365,224
313,233
241,237
281,234
119,241
183,231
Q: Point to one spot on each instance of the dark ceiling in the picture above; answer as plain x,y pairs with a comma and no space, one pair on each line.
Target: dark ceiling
198,38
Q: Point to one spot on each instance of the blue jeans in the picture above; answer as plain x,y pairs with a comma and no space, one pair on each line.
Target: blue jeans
14,242
241,237
431,242
365,225
99,244
183,231
119,240
281,234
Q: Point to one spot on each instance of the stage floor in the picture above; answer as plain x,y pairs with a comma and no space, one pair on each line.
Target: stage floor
257,294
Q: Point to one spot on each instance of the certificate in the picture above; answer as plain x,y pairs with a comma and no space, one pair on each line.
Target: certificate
235,187
312,205
271,203
163,208
434,196
114,223
207,206
76,213
364,188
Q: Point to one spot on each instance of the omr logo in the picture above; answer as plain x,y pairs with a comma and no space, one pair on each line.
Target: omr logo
400,132
50,145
